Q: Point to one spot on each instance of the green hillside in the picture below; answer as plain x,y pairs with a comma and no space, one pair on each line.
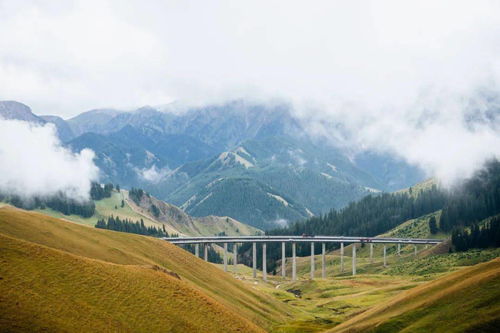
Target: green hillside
464,301
44,289
124,249
173,218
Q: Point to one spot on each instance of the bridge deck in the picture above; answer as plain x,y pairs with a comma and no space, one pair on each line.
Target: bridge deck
298,239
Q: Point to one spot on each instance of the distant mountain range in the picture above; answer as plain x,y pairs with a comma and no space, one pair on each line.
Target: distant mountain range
252,162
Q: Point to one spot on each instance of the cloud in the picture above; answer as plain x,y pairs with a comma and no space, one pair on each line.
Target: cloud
153,174
402,77
33,163
282,223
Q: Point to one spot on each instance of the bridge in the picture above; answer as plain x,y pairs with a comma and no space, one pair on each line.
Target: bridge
235,240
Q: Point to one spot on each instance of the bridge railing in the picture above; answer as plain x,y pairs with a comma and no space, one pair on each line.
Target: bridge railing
264,239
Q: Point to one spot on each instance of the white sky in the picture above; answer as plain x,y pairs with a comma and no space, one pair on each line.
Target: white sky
400,75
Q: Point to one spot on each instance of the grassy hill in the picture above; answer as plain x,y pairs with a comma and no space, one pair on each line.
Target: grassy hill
466,300
174,219
44,289
131,253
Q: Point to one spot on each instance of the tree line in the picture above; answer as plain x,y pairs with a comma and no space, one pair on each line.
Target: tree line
477,237
137,227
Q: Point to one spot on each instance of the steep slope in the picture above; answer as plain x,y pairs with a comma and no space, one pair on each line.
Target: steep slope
260,182
184,224
44,289
464,301
129,249
92,121
173,218
18,111
63,129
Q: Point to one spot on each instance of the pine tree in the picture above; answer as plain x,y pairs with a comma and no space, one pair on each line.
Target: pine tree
433,225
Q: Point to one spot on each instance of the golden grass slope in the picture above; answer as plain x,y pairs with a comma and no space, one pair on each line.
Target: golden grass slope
464,301
129,249
43,289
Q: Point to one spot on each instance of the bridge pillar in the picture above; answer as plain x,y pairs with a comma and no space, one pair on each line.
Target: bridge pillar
225,257
205,248
399,249
341,257
312,260
385,256
415,249
264,261
354,259
235,255
323,261
197,250
371,253
294,263
254,258
283,260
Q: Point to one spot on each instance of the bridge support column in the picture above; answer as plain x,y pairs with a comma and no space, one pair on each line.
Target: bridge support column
399,249
283,259
371,253
264,261
415,250
197,250
294,262
225,257
323,261
235,256
385,256
354,259
254,259
312,261
205,249
341,257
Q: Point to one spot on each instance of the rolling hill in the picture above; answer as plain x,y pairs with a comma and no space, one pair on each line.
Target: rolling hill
132,269
173,218
464,301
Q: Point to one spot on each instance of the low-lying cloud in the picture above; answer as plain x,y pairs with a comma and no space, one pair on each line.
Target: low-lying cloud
410,78
34,163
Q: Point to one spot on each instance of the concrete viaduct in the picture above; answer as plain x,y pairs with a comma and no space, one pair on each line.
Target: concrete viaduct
294,240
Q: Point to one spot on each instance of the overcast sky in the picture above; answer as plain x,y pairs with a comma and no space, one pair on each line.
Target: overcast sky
403,76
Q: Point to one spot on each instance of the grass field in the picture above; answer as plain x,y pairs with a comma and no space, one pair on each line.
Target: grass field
129,249
45,259
43,289
466,300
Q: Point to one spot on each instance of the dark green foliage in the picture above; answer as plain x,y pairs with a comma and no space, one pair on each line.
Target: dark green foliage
155,211
213,256
370,216
136,194
477,199
476,237
433,225
97,192
122,203
58,202
138,227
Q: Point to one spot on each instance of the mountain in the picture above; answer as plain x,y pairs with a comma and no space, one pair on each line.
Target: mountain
269,182
64,131
254,162
62,276
92,121
18,111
